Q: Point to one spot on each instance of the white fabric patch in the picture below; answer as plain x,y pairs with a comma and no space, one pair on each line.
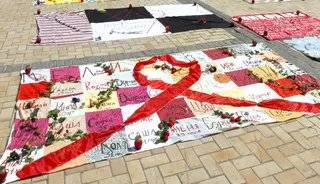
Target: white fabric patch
176,10
126,29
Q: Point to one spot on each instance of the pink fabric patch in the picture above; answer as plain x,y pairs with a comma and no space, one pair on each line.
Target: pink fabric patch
67,73
241,77
176,108
133,95
215,54
22,135
103,120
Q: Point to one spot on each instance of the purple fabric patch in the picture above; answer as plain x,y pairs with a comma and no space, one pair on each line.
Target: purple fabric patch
103,120
67,73
176,108
21,135
132,95
241,77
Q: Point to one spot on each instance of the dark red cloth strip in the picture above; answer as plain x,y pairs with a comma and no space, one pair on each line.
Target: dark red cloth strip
290,106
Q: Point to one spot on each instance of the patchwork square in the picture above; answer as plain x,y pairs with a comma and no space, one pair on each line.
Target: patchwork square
177,108
243,77
29,132
103,120
132,95
284,87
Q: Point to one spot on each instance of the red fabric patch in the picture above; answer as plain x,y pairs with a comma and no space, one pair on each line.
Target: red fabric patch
176,108
241,77
282,87
307,81
215,54
30,91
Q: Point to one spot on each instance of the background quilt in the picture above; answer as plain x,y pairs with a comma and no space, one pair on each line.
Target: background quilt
309,45
280,25
123,23
76,115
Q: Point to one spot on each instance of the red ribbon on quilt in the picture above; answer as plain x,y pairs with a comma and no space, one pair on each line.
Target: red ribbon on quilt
171,91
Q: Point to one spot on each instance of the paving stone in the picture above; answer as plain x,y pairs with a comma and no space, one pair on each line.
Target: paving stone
102,163
56,177
136,172
310,156
191,158
39,178
154,160
137,155
224,155
291,127
266,169
305,122
172,180
290,176
173,168
302,140
234,133
73,178
301,166
245,162
291,149
240,146
206,148
269,180
206,139
279,158
284,136
265,130
315,120
250,176
193,176
173,153
96,174
251,137
118,166
153,176
315,141
231,172
120,179
188,144
6,114
222,141
216,180
260,153
310,132
211,165
157,151
312,180
79,169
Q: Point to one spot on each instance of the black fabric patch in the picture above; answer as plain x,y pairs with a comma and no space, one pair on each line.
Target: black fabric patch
187,23
111,15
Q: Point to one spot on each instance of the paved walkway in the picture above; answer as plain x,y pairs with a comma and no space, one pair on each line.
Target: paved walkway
285,152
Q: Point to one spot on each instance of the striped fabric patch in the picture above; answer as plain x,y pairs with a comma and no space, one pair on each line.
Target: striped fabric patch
63,28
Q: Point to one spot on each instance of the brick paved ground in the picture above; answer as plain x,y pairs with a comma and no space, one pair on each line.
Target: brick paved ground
285,152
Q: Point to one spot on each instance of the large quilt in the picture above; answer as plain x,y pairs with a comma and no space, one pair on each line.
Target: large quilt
76,115
277,26
309,45
122,23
